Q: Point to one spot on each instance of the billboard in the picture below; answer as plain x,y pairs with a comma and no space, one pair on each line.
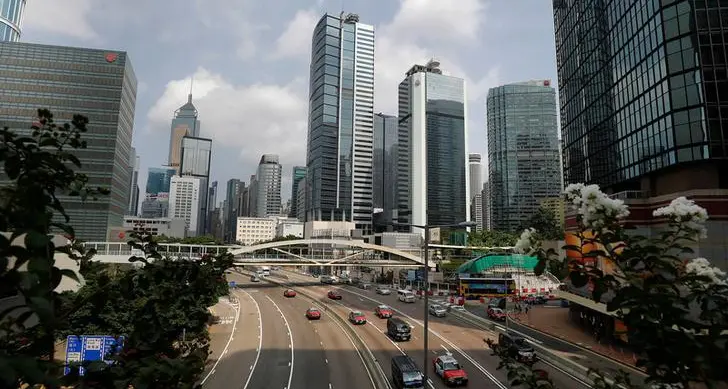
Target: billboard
87,348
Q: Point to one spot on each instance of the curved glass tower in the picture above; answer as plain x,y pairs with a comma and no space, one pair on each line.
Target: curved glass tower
11,14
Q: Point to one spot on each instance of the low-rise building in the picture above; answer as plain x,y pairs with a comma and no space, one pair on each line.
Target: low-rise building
252,230
289,227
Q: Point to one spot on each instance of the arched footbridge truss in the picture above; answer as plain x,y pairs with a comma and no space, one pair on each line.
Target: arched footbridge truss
324,252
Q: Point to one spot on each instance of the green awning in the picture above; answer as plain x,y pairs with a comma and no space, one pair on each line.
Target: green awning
491,263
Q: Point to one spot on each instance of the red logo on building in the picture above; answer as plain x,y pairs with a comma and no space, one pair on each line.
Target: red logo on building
122,235
111,57
547,82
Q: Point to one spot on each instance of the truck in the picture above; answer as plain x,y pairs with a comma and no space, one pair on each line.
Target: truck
265,271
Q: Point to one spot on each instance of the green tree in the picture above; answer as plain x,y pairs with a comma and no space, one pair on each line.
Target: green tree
491,238
161,307
197,240
674,305
545,223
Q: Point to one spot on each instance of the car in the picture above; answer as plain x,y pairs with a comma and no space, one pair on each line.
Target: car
448,368
456,308
254,278
383,291
383,312
357,317
496,314
313,314
437,310
517,348
334,295
289,293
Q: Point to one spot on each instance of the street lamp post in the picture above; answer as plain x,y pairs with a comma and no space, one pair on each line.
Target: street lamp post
426,279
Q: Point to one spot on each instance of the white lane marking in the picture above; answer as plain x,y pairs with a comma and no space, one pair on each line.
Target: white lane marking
500,328
446,350
290,338
230,339
260,341
442,338
429,382
326,360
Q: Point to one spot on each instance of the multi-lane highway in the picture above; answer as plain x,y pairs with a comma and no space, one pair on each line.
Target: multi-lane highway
273,345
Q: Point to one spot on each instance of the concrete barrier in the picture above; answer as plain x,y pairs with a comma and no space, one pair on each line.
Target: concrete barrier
372,365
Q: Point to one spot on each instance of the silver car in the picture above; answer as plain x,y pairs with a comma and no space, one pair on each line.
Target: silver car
383,291
437,310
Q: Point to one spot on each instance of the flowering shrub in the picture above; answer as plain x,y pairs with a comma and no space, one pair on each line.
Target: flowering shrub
674,305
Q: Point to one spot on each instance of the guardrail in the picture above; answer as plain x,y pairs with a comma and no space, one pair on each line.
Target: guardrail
370,362
566,366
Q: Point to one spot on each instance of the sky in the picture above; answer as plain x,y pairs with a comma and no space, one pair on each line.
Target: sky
250,62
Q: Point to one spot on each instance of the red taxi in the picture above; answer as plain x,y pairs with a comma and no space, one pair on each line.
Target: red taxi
357,317
496,314
383,312
313,314
448,368
334,295
289,293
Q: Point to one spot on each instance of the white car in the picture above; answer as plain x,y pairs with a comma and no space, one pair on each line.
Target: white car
383,291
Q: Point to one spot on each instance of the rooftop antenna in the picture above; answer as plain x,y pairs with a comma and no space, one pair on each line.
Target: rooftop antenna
192,81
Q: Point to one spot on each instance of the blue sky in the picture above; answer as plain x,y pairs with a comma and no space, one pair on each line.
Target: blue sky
250,62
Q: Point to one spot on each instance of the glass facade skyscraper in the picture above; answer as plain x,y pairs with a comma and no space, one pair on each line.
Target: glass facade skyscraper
158,180
433,183
386,133
298,174
341,109
643,90
99,84
267,187
185,123
523,151
11,16
195,155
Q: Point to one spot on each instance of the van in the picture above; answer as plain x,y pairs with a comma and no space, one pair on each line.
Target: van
398,329
405,373
406,296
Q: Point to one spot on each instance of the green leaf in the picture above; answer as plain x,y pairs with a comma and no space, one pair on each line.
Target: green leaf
42,306
36,241
70,274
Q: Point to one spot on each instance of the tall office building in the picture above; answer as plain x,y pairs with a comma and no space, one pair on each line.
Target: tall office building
384,170
433,179
99,84
184,202
211,205
485,201
134,186
341,110
11,17
268,187
185,123
233,190
476,211
523,151
475,170
158,180
644,104
195,155
299,172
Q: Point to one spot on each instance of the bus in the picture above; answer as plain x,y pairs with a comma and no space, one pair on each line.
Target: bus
475,288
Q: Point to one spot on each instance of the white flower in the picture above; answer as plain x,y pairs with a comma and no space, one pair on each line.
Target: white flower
702,267
687,213
594,206
526,242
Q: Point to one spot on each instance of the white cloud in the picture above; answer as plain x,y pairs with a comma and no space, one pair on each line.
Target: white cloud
423,29
232,17
67,17
254,119
295,41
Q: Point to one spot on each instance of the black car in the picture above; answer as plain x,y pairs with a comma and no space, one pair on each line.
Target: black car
406,374
518,348
398,329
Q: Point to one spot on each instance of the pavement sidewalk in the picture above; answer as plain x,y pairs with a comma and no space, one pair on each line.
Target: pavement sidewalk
554,321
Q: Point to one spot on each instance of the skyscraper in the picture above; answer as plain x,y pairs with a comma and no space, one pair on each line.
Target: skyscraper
68,81
433,179
211,205
195,162
184,202
341,110
268,187
234,189
134,186
11,17
523,151
158,180
299,172
475,170
384,169
185,123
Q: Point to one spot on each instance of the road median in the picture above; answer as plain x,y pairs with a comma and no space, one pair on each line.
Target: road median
380,380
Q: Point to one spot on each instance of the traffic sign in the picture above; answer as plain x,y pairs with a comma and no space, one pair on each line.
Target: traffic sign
88,349
233,284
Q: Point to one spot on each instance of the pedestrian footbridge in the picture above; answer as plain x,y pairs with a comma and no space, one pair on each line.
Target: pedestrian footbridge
299,252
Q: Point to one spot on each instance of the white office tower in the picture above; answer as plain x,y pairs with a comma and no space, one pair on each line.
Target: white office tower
475,170
267,187
341,114
184,201
433,183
